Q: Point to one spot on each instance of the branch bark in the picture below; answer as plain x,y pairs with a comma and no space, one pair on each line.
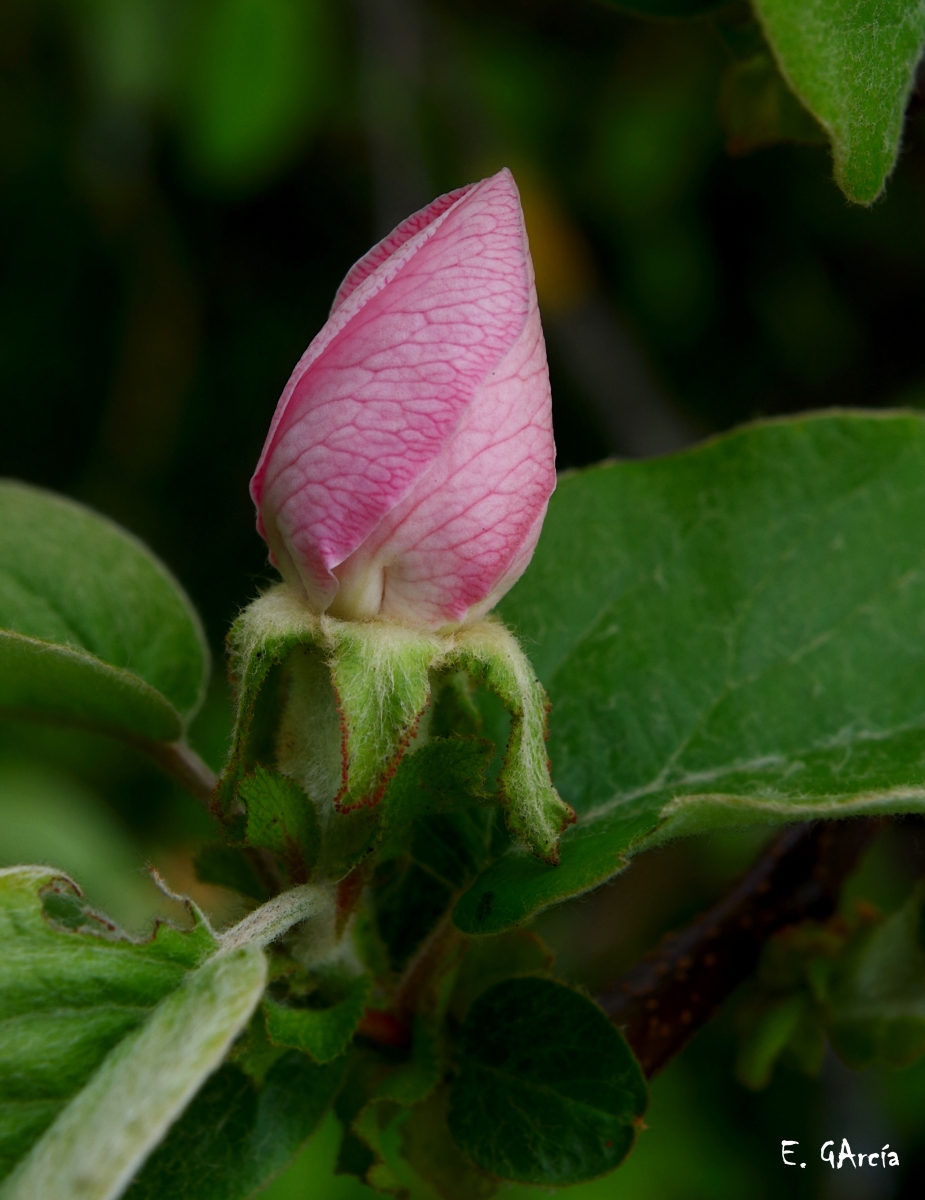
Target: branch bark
664,998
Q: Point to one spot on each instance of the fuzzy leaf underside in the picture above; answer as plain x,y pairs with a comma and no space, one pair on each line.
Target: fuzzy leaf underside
729,636
103,1039
94,630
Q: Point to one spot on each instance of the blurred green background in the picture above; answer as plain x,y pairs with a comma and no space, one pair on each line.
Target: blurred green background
183,184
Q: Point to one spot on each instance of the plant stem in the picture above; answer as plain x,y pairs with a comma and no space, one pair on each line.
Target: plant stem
663,999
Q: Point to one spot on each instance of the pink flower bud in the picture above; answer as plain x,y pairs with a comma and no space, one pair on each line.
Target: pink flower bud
410,459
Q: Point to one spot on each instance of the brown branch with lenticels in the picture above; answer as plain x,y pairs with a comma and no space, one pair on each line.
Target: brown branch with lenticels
664,998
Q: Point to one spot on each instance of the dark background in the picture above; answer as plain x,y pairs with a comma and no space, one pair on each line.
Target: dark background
182,187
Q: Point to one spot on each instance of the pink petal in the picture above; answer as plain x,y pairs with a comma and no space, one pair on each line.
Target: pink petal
467,530
376,396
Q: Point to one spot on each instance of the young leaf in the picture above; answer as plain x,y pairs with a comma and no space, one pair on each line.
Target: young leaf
852,64
322,1033
237,1135
757,108
105,1040
876,1004
732,635
281,819
548,1091
94,630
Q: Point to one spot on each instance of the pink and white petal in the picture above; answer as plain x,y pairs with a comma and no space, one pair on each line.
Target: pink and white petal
394,241
373,410
467,530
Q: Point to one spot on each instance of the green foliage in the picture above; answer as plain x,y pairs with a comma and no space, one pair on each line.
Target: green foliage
548,1091
93,629
853,66
259,73
860,984
322,1033
731,636
105,1040
876,999
238,1134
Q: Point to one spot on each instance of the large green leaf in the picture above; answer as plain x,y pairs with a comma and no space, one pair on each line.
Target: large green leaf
852,63
732,635
103,1040
93,629
548,1090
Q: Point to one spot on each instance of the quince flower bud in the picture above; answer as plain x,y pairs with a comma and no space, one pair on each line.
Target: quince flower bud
410,458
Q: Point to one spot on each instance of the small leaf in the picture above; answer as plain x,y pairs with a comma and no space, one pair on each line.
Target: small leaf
852,64
94,630
281,819
236,1136
548,1091
106,1038
322,1033
876,1004
728,636
758,109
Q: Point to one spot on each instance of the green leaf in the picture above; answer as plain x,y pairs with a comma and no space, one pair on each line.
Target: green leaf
282,819
876,1004
852,64
94,631
548,1091
236,1136
728,636
103,1040
322,1033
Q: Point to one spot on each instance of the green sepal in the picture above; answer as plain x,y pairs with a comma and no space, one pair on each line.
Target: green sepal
536,814
322,1033
335,706
548,1091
